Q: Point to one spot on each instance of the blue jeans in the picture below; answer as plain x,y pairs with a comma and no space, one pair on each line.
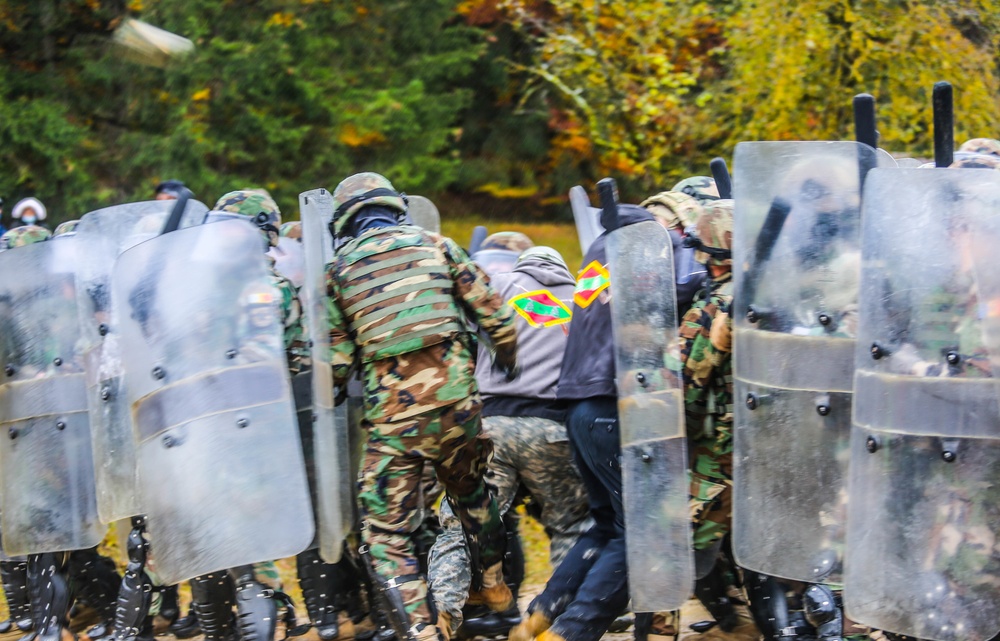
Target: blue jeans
589,589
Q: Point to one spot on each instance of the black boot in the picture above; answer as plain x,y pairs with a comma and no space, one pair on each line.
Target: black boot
212,601
480,620
96,583
318,582
50,597
15,587
823,613
169,609
711,590
257,607
186,626
135,594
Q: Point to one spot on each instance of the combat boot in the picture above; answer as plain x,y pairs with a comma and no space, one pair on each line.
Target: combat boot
536,624
186,626
15,588
96,582
494,593
316,579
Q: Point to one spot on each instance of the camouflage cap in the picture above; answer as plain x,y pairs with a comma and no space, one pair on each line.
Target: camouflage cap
972,160
361,190
292,229
674,209
510,240
259,207
541,252
715,230
982,146
701,187
68,227
24,235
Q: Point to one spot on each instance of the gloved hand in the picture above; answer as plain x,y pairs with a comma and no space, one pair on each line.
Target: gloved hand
505,362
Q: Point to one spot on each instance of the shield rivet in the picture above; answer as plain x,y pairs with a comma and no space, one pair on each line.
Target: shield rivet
824,319
752,314
12,432
57,361
231,354
641,378
102,329
9,370
105,394
168,441
751,401
953,358
159,373
823,410
646,458
60,425
871,445
242,423
878,351
948,456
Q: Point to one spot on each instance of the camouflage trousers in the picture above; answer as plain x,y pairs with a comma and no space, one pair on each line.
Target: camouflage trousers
529,450
392,488
711,500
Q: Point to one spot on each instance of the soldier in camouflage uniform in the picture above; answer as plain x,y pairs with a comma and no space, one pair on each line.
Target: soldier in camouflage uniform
292,229
706,355
525,423
500,250
213,594
399,300
676,211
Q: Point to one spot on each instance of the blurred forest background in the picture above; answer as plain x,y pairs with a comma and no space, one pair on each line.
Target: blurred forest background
492,107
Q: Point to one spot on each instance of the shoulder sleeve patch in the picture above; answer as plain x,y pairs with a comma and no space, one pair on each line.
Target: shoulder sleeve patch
541,308
590,282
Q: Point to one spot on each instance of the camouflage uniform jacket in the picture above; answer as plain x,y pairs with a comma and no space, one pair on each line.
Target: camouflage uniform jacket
424,364
706,357
296,348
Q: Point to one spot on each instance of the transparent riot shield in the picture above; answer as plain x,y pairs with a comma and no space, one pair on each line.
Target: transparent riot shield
101,236
290,260
424,214
46,463
922,553
221,473
587,218
651,414
796,231
335,487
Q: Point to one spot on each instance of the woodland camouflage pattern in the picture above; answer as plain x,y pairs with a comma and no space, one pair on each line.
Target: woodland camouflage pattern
421,399
513,241
981,146
674,209
24,235
67,227
715,229
248,202
530,450
701,187
357,186
706,356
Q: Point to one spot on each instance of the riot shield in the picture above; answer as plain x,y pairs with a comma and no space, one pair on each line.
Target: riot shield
651,414
290,260
46,462
922,558
101,236
208,387
335,487
424,214
587,218
797,225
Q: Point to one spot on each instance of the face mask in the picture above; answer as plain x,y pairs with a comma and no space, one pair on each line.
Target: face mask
29,219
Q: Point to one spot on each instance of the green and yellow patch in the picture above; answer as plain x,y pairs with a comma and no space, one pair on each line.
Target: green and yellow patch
541,308
590,282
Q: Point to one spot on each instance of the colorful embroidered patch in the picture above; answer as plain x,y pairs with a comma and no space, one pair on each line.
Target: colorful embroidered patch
591,281
541,308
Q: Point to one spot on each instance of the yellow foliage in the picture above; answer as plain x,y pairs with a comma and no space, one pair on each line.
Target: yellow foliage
352,137
281,19
202,95
499,191
135,6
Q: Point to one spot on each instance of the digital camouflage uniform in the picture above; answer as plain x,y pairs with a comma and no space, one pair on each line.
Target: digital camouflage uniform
706,355
421,399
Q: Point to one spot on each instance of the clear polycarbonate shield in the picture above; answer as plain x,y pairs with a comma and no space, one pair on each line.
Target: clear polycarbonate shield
46,462
335,486
101,236
797,230
587,218
651,415
424,214
221,473
290,260
922,557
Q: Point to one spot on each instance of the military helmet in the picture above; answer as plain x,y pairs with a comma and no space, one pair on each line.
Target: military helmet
701,187
361,190
260,208
24,235
292,229
510,240
674,209
975,160
982,146
714,233
68,227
